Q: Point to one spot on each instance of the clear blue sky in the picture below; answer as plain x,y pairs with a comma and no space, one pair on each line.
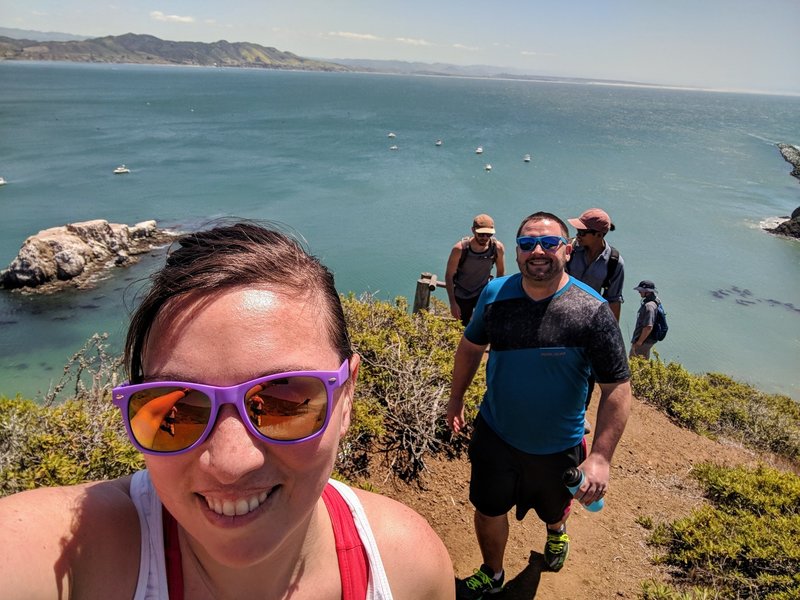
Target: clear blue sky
728,44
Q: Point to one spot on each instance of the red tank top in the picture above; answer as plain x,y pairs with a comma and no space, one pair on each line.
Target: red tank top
350,551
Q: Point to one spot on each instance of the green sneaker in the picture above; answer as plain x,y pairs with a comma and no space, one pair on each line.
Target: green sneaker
479,583
556,549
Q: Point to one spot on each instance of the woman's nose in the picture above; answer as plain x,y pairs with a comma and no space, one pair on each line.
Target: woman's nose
230,452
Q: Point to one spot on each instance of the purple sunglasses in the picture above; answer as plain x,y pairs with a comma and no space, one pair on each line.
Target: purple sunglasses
173,417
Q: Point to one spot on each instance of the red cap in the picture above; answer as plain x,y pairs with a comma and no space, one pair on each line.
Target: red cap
595,219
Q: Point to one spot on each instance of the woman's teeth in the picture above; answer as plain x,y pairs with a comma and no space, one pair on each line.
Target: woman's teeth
239,507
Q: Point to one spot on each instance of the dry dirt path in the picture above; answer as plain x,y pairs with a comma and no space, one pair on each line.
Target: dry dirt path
609,556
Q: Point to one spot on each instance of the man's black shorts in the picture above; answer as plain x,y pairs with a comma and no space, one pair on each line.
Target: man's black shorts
503,477
467,306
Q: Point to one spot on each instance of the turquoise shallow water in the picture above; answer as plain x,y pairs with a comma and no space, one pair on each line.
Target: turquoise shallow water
686,176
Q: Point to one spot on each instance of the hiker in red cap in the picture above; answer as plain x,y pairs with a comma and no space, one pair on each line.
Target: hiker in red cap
597,264
594,262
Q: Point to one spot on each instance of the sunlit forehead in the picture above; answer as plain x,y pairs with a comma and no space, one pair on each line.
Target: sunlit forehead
259,300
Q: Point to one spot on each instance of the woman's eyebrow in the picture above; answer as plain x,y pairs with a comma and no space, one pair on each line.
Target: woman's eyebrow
170,376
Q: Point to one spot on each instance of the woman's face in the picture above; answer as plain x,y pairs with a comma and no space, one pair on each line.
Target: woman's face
231,337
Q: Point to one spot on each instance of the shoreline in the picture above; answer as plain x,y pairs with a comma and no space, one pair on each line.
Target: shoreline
351,71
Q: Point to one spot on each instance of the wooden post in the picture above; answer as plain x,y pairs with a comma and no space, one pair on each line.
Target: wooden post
422,298
426,283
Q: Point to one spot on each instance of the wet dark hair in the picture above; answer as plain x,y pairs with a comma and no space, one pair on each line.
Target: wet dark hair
230,256
541,216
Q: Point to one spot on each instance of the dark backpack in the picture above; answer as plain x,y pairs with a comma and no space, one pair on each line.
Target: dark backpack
613,261
660,327
465,250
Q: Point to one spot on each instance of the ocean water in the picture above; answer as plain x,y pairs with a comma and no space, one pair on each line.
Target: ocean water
687,177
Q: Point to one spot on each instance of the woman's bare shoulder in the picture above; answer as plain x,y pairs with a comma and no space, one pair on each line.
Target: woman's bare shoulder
82,538
408,544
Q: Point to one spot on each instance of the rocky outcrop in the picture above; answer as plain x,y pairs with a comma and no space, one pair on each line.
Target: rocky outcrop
791,226
791,154
75,255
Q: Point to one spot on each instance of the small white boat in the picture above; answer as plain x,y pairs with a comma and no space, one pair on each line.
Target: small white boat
488,167
392,147
121,170
439,142
526,158
479,150
391,135
2,181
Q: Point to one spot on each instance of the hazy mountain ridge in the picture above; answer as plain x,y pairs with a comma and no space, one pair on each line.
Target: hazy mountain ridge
20,44
40,36
409,67
400,67
148,49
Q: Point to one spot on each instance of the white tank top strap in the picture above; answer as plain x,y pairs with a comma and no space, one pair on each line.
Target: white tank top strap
152,583
378,588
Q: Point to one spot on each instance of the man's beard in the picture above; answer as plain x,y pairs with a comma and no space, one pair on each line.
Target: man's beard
542,272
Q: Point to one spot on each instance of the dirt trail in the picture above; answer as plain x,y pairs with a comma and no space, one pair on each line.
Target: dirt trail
609,556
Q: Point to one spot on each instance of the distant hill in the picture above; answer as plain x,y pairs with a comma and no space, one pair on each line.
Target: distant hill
39,36
147,49
421,68
19,44
400,67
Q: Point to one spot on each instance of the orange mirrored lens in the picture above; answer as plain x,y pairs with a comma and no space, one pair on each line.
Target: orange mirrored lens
290,408
168,419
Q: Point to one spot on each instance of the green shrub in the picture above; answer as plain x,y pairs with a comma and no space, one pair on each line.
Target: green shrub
747,543
762,491
716,405
644,521
78,440
403,386
63,445
652,590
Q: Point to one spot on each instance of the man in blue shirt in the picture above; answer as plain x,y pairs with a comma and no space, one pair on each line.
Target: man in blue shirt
548,332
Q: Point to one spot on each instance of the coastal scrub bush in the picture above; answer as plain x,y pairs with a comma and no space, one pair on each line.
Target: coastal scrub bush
746,544
653,590
403,385
72,441
89,374
62,445
716,405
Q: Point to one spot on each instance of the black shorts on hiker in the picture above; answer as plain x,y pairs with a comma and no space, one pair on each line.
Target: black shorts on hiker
467,306
503,477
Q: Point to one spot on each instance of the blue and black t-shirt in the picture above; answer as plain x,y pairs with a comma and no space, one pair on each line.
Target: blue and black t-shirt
542,353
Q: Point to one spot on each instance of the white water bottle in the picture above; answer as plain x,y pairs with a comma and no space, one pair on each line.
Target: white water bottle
573,478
